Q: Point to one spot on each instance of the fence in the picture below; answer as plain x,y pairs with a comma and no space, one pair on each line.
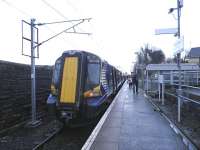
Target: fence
189,86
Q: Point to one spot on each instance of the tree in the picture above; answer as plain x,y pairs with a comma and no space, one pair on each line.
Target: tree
157,57
148,55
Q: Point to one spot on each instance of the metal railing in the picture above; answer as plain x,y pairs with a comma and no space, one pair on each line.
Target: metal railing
188,93
161,90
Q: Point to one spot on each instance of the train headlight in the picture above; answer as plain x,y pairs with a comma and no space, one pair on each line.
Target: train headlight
88,94
63,113
92,93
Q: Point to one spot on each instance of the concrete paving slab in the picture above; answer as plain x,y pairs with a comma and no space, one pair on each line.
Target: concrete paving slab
133,124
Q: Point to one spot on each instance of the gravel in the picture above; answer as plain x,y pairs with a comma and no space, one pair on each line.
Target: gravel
26,138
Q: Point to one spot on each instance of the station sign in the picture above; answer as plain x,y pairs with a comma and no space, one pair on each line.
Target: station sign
179,45
166,31
161,79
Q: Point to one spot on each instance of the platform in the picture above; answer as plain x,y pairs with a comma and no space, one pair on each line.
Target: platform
130,123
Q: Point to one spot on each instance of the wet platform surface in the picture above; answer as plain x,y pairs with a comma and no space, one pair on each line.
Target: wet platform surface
132,124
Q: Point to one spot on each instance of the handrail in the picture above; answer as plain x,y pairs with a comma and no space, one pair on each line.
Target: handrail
168,81
189,99
171,94
193,87
181,72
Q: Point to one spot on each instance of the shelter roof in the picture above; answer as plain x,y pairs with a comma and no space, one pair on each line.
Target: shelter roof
194,52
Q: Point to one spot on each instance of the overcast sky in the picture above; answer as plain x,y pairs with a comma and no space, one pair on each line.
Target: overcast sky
119,27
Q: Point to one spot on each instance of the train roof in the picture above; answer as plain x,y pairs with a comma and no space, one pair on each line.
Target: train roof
80,51
88,53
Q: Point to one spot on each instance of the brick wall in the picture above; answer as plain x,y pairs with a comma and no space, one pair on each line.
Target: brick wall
15,92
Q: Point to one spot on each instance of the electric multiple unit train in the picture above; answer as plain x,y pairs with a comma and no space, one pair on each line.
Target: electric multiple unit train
81,84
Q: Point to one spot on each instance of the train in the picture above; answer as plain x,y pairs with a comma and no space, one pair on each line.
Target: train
81,84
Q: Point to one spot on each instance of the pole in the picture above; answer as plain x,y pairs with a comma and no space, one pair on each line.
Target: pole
163,93
178,63
198,75
33,99
147,81
35,44
159,91
33,93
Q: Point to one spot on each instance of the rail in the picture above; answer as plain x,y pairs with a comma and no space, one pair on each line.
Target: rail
51,136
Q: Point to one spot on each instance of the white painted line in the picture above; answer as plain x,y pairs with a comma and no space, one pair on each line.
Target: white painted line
174,128
185,140
96,130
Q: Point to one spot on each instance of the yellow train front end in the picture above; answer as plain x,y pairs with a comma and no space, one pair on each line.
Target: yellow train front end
66,85
68,89
69,81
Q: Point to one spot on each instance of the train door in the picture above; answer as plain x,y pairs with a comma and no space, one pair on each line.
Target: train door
70,89
69,80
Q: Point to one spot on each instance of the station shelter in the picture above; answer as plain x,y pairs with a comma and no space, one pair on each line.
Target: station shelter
190,74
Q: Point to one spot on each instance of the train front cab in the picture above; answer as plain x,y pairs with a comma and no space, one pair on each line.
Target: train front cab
76,84
67,84
80,85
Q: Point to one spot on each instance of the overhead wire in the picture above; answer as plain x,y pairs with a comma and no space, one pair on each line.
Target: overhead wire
98,43
62,15
65,30
28,15
58,12
16,8
72,5
54,9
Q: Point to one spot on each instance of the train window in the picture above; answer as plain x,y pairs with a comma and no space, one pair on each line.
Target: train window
56,72
93,76
93,59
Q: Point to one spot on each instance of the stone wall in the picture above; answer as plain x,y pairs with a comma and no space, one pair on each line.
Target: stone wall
15,92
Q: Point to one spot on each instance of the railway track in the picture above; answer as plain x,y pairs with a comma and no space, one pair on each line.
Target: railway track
66,138
49,137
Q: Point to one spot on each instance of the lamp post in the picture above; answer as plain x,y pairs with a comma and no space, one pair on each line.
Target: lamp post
179,6
178,63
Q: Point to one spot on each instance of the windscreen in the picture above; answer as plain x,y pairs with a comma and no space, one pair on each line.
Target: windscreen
56,73
93,75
